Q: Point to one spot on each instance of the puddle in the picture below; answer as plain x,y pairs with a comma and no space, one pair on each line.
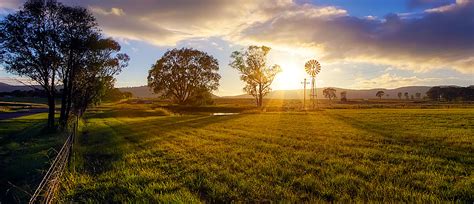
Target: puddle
222,114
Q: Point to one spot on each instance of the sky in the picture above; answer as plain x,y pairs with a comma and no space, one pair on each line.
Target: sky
360,44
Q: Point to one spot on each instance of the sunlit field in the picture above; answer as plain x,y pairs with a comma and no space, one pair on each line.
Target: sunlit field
145,153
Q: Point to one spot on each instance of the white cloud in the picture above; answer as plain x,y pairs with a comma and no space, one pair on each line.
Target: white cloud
392,80
112,11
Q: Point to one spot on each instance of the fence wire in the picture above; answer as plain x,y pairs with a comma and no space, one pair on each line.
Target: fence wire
47,189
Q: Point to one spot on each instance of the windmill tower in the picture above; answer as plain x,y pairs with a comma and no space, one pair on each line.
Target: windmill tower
313,68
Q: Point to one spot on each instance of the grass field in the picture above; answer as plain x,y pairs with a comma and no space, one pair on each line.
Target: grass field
134,154
25,153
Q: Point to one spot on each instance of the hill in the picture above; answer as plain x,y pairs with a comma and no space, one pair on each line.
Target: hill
351,93
145,92
4,87
140,91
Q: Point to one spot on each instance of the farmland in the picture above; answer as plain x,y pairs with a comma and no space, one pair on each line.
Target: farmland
146,153
25,153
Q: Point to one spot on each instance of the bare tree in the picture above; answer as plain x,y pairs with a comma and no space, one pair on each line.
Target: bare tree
255,71
407,97
400,95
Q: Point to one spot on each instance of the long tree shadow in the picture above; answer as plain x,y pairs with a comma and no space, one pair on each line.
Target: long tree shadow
426,146
105,146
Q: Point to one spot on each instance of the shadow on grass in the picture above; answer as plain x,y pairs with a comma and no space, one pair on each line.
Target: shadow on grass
104,147
206,109
25,153
130,113
429,146
450,161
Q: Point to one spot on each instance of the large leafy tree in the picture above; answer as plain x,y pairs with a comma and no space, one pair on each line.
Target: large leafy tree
184,75
29,48
329,93
54,44
255,71
96,74
78,32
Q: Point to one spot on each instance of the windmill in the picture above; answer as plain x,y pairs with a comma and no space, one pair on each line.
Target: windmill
313,68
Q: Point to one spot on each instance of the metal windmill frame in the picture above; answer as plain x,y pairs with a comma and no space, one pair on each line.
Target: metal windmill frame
313,67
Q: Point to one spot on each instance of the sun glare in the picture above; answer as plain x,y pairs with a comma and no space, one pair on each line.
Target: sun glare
292,65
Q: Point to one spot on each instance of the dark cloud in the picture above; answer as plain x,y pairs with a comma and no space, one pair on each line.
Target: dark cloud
438,39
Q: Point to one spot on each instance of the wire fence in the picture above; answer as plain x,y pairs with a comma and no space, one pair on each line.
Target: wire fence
47,189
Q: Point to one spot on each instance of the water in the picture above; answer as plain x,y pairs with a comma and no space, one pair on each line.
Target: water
222,114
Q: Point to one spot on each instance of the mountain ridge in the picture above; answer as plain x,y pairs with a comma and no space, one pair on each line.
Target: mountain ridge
390,93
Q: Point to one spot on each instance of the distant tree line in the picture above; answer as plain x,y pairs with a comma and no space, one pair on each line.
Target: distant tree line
451,93
58,45
115,94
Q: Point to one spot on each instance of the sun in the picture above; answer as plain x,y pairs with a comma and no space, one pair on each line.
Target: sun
292,62
290,78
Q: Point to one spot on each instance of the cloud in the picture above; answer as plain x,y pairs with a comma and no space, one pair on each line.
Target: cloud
427,3
113,11
391,80
436,40
440,37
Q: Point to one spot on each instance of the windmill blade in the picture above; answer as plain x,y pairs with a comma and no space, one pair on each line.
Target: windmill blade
312,67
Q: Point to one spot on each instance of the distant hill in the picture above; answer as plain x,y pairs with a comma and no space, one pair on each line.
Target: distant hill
9,88
351,93
140,92
144,92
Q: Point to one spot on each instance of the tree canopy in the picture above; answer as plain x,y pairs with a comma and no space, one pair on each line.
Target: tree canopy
255,71
329,93
185,75
54,44
380,94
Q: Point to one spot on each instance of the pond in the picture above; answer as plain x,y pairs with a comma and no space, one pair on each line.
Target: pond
222,114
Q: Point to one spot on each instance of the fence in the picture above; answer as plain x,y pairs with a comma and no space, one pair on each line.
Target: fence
47,189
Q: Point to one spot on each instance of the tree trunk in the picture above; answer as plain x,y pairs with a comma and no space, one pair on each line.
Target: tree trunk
51,106
63,117
260,95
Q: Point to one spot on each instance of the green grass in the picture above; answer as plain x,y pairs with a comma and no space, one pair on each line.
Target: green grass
25,153
330,155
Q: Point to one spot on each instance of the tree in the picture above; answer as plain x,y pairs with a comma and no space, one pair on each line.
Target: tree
184,74
406,95
399,95
54,44
255,71
78,32
434,93
450,93
380,94
344,96
329,93
28,44
418,96
96,74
